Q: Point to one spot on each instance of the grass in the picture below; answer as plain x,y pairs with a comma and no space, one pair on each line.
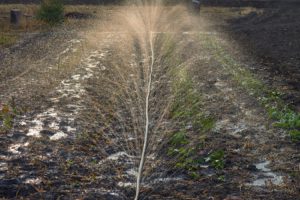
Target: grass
284,117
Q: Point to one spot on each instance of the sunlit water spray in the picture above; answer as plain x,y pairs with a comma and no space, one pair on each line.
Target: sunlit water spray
149,39
130,84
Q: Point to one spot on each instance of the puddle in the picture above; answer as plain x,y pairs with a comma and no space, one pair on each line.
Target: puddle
3,166
35,130
234,130
33,181
268,177
14,148
122,184
59,135
69,89
116,156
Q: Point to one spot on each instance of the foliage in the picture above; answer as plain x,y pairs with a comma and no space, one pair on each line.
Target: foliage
179,139
216,159
286,119
295,135
51,11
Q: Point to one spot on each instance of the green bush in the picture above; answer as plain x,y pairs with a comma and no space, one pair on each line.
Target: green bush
51,11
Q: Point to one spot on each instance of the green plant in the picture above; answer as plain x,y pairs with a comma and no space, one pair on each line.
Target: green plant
69,163
179,138
7,114
216,159
286,119
295,135
206,123
187,105
6,117
51,11
8,122
221,178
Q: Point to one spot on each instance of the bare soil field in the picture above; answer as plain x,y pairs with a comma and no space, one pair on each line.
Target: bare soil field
272,36
218,93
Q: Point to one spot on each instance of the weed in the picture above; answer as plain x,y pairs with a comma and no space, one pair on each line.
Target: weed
179,138
8,122
69,163
221,178
206,123
287,119
216,159
8,112
194,175
295,135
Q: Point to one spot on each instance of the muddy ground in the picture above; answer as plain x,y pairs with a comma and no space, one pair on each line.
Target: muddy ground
272,37
66,142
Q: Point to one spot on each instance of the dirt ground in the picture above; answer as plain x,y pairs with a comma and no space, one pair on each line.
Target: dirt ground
69,109
272,37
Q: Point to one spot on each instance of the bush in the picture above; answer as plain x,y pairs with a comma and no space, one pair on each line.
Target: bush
51,11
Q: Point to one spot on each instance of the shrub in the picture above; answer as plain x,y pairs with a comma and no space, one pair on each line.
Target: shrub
51,11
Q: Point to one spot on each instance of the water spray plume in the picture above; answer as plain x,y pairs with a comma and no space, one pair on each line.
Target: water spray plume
138,84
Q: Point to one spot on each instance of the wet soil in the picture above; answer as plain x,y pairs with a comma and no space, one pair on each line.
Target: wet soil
60,147
271,36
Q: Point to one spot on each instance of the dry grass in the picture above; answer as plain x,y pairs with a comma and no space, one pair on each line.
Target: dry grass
7,40
28,23
9,34
228,12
